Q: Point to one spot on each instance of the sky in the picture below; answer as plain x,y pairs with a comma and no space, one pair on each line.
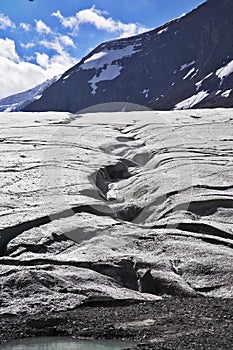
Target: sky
43,38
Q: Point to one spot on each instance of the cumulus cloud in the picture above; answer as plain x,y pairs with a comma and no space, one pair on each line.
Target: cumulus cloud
66,41
25,26
17,75
41,27
42,59
8,50
67,22
58,44
52,45
5,22
20,76
27,46
60,61
56,64
99,19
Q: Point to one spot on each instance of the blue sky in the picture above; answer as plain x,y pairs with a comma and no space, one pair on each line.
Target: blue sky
43,38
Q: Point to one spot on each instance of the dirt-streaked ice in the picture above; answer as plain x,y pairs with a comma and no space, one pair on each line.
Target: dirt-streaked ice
114,206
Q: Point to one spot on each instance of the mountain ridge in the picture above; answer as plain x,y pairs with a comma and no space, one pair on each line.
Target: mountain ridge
178,65
16,102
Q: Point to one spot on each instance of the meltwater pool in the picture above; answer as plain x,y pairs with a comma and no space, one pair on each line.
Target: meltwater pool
60,343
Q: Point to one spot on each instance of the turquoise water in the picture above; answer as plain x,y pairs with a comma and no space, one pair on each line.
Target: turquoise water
55,343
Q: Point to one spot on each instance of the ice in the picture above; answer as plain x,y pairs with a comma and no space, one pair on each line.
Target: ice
57,248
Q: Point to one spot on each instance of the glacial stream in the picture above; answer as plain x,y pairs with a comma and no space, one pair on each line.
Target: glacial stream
56,343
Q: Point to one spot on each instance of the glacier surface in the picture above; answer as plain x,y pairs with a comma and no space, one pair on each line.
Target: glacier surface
114,206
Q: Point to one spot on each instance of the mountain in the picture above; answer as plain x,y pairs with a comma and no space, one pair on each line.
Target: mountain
185,63
18,101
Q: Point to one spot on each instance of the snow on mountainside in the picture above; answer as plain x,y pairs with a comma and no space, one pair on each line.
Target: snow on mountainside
103,62
185,63
18,101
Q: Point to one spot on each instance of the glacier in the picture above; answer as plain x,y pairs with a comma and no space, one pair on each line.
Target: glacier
114,206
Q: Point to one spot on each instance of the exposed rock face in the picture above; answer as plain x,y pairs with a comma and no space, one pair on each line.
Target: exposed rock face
185,63
114,207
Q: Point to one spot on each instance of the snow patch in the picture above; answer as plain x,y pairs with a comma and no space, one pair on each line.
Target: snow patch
226,93
225,71
199,83
186,65
110,73
106,64
93,61
192,101
37,97
189,73
145,92
100,59
66,77
162,31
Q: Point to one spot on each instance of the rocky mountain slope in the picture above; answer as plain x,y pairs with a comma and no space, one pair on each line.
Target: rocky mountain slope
114,207
185,63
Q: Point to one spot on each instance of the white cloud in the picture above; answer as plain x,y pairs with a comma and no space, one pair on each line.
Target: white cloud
66,41
98,19
8,50
42,59
41,27
52,45
17,75
58,44
5,22
20,76
57,64
27,46
25,26
67,22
